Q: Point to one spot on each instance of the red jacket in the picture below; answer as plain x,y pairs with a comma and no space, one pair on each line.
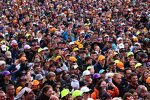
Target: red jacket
114,93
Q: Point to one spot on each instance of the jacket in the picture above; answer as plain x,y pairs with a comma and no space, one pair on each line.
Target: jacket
113,93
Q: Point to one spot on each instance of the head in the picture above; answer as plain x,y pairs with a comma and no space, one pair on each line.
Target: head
101,84
127,73
10,90
128,96
51,76
2,95
101,59
47,90
134,94
2,65
117,78
133,79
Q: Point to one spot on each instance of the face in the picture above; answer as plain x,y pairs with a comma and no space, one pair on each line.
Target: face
135,96
30,96
134,80
7,77
103,85
11,90
2,96
128,73
118,79
49,92
102,62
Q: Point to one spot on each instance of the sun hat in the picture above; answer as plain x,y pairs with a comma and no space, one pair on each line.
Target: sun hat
64,93
76,93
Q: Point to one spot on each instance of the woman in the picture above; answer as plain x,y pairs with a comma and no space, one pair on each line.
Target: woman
101,91
46,93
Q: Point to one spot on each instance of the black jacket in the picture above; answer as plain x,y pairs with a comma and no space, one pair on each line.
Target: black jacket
42,97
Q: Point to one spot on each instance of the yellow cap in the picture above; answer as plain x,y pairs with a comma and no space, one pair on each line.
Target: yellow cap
64,92
77,93
58,57
80,46
129,54
101,57
75,49
138,65
72,58
35,82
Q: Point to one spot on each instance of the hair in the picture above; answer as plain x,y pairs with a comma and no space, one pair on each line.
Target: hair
132,91
126,70
9,85
1,91
115,75
127,94
46,88
132,74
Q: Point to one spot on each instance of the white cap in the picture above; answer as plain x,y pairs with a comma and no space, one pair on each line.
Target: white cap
121,45
21,93
86,72
119,38
2,62
14,42
27,46
3,47
75,66
85,89
75,84
45,48
137,44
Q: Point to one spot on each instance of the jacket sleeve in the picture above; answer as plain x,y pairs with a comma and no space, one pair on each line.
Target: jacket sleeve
114,92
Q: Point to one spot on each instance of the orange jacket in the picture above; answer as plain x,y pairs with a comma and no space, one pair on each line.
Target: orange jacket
114,93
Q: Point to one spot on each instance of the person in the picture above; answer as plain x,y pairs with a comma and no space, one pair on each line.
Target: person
100,64
25,94
10,92
128,96
86,92
134,94
2,95
101,92
46,93
65,94
119,83
77,95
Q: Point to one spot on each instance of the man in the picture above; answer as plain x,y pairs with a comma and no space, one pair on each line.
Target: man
77,95
100,64
10,92
6,80
133,83
119,83
2,95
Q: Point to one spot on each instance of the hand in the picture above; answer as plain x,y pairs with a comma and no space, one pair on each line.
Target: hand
111,84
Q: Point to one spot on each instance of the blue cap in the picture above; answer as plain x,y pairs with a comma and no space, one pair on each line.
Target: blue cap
102,71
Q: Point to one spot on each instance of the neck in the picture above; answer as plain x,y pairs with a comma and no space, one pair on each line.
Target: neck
6,81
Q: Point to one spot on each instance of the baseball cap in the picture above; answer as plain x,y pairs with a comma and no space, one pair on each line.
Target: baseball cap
138,65
72,59
64,92
89,67
119,38
75,49
21,93
35,82
8,54
27,46
101,57
121,46
38,77
148,80
3,47
130,54
85,89
86,72
120,65
75,66
5,73
102,71
2,63
76,93
96,75
57,57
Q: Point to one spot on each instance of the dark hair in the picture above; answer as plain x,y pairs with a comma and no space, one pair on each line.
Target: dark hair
132,91
127,94
46,88
9,85
126,70
132,74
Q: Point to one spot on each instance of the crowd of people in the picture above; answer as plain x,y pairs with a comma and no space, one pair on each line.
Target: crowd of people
74,50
